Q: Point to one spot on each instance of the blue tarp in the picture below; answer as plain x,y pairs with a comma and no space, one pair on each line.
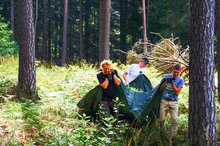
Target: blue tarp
137,105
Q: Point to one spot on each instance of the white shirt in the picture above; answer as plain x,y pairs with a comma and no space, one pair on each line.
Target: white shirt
133,71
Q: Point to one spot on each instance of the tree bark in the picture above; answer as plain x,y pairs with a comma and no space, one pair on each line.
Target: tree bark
104,29
144,26
202,116
27,68
64,48
217,8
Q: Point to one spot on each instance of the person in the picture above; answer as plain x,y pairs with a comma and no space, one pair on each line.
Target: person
134,70
169,101
109,81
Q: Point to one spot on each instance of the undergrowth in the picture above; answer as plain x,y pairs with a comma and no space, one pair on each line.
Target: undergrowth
54,120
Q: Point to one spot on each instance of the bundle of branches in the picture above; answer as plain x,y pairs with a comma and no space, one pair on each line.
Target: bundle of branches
164,54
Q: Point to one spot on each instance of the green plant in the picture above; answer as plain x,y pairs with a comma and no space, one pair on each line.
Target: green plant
5,84
7,46
54,119
31,117
111,131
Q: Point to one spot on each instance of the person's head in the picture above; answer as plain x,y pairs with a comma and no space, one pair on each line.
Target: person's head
105,66
176,69
144,62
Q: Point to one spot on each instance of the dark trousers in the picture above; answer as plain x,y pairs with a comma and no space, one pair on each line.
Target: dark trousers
109,107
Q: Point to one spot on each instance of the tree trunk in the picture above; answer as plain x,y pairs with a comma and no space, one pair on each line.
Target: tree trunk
50,29
81,29
27,68
37,29
36,15
144,26
87,30
123,27
202,116
104,29
45,31
16,21
133,24
12,17
64,48
217,8
59,25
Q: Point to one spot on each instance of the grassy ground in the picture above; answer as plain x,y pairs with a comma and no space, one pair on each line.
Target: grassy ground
54,119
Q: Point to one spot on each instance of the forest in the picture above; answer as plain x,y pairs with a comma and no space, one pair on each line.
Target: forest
50,55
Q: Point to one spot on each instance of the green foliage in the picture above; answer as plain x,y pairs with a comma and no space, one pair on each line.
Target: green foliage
54,119
7,46
170,17
132,57
7,80
5,84
30,114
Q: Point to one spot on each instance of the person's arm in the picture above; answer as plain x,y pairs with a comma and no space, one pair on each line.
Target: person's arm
104,84
103,80
175,88
127,72
117,81
125,76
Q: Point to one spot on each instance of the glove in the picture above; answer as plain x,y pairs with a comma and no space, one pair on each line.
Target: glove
169,80
110,77
113,72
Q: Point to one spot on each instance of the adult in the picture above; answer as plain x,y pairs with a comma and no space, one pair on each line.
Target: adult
169,101
109,81
134,70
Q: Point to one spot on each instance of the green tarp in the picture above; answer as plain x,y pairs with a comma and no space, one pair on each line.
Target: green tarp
137,105
141,83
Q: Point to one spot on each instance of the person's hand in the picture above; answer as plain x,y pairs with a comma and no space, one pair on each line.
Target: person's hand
163,86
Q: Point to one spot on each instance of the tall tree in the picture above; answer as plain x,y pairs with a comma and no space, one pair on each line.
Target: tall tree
87,28
51,28
135,21
36,30
12,17
104,29
65,22
81,29
217,8
144,25
202,115
27,68
123,26
45,32
36,14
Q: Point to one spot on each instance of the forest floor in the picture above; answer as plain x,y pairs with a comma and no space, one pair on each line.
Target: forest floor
54,120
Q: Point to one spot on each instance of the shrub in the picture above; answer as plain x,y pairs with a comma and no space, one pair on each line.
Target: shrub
7,46
5,84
